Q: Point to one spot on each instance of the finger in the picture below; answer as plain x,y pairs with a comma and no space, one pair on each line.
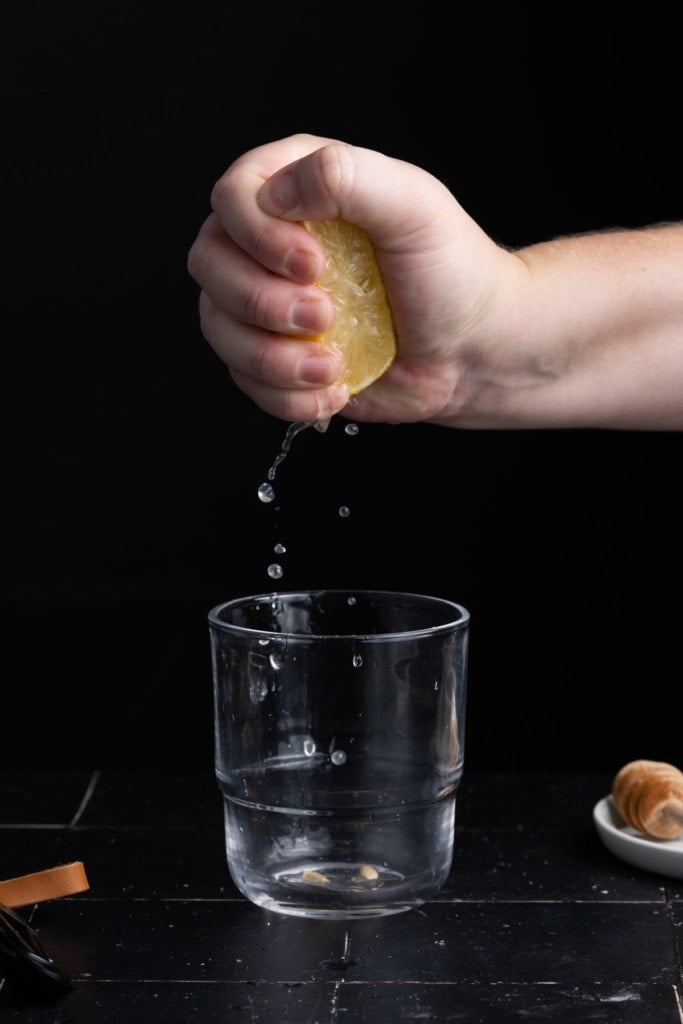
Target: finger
294,405
266,358
284,247
245,291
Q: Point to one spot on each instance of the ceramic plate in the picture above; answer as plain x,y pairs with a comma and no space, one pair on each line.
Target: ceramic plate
664,857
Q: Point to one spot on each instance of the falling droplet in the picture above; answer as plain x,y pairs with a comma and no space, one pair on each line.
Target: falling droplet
351,600
266,493
351,429
275,571
279,549
344,511
263,641
357,661
338,757
276,661
292,430
309,747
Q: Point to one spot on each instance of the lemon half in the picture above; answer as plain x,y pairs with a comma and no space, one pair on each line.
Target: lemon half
363,329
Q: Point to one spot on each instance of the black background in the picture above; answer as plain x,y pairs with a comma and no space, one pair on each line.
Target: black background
130,463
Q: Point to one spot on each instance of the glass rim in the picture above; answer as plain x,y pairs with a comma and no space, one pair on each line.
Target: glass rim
459,619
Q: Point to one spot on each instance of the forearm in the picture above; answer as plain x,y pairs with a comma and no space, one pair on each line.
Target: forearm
590,334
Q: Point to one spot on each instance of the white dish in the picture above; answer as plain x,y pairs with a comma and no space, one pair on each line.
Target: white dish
664,857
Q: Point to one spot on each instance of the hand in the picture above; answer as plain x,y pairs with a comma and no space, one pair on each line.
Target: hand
257,266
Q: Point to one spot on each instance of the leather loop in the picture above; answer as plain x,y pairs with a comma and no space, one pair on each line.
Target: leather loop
63,880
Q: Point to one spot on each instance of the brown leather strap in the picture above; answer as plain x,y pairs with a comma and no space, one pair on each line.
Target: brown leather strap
63,880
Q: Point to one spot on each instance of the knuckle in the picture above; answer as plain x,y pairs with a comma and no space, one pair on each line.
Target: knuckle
223,190
259,367
336,170
257,309
210,316
260,246
196,260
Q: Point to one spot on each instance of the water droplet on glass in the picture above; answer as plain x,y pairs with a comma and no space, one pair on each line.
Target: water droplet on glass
351,600
338,757
258,687
357,661
309,747
276,661
351,429
266,493
344,511
279,549
275,571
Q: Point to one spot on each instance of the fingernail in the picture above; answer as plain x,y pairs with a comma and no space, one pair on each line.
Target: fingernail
318,370
303,265
278,194
310,315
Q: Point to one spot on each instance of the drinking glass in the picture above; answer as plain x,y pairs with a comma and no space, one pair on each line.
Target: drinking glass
339,746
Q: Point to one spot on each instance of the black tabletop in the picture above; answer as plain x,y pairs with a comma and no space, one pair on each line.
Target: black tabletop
537,922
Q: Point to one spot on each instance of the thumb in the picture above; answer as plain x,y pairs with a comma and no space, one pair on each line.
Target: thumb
393,201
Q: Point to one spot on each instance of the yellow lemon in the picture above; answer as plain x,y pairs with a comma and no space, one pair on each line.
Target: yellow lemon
363,329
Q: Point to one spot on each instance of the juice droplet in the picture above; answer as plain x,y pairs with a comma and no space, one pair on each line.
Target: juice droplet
266,493
351,429
357,661
275,571
279,549
309,747
344,511
338,757
292,430
276,661
351,600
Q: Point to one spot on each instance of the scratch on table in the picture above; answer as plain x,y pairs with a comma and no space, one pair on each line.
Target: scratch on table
679,1003
622,997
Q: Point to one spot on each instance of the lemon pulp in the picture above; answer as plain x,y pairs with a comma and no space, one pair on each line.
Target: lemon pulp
363,329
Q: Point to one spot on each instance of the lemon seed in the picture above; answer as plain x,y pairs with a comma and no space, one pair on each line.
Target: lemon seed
316,877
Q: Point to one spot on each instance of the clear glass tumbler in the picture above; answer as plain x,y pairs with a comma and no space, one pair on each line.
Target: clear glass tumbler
339,743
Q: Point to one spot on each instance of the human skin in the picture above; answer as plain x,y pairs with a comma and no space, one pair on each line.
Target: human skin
580,331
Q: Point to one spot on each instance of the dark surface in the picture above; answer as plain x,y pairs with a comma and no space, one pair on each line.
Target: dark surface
537,922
